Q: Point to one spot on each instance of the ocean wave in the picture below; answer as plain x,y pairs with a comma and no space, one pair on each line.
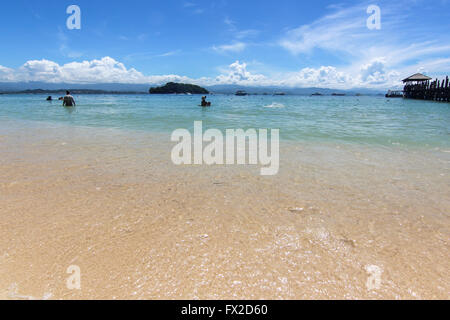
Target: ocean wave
275,105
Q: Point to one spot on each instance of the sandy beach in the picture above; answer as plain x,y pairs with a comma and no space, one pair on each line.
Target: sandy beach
258,152
138,227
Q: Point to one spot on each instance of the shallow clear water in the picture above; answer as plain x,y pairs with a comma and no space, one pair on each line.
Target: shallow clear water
366,120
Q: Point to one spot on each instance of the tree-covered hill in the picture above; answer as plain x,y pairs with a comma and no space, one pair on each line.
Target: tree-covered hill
172,87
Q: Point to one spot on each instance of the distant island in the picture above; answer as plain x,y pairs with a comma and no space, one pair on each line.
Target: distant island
178,88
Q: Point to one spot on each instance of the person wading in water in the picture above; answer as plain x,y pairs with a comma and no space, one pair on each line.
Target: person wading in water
69,101
205,103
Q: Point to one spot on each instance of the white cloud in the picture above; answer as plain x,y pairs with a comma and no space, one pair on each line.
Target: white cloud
325,76
105,70
330,32
237,73
108,70
374,74
5,69
238,36
230,23
6,74
194,7
247,33
370,58
234,47
169,54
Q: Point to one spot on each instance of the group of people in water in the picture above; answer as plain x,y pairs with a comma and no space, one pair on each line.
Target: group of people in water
205,103
68,100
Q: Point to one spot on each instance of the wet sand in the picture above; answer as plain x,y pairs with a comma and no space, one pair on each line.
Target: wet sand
112,203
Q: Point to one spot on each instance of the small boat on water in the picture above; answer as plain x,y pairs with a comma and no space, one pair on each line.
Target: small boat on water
279,94
317,94
394,94
338,94
241,93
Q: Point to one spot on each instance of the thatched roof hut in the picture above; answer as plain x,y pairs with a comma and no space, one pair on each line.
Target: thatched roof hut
418,77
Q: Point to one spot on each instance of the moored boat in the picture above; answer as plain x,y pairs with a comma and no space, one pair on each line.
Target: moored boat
241,93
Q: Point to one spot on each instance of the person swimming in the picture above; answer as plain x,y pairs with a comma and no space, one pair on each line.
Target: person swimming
205,103
49,98
68,100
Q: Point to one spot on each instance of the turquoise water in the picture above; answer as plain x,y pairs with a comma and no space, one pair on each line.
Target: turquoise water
366,120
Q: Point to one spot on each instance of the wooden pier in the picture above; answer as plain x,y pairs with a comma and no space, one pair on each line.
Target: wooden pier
421,87
394,94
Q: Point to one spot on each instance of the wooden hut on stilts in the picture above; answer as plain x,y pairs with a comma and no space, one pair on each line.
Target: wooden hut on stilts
419,86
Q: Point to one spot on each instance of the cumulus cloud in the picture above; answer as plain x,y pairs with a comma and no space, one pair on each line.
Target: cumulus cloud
374,74
373,71
5,69
371,75
237,74
6,74
325,76
105,70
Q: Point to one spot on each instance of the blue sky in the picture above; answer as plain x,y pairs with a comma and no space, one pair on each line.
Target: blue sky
286,42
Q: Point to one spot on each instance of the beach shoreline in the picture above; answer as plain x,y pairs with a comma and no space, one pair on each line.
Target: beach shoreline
139,227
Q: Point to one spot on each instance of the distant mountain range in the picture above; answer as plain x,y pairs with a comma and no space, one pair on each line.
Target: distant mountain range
120,88
62,92
231,89
106,87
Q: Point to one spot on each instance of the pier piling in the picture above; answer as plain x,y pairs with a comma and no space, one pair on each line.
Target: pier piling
419,87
